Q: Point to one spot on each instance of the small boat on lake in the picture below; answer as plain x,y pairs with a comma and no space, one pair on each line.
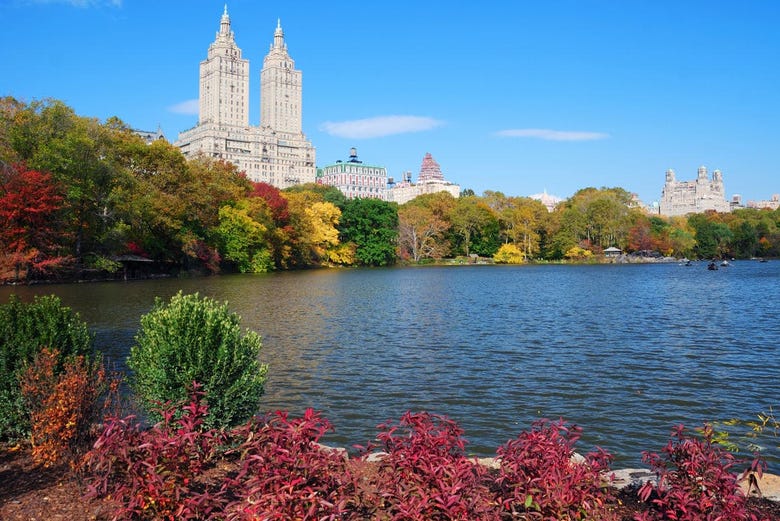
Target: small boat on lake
712,266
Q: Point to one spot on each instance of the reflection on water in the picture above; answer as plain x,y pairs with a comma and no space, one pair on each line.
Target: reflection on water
625,351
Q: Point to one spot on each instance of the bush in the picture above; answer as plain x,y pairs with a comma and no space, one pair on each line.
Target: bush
695,481
62,407
426,474
24,330
509,254
284,473
539,479
154,473
195,339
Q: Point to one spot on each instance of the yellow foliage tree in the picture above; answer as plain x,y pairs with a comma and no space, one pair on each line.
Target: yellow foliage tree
578,253
509,253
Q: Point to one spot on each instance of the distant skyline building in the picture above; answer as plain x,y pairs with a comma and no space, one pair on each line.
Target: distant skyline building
150,136
698,196
772,204
277,152
430,180
354,178
548,200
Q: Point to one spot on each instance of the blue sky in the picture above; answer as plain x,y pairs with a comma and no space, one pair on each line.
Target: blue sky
513,96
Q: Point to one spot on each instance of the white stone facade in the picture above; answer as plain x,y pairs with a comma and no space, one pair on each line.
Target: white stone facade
280,104
355,179
684,197
277,152
224,81
772,204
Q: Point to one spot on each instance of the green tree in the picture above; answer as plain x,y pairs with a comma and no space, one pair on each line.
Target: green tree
744,240
25,329
596,219
475,226
712,237
193,339
242,239
372,225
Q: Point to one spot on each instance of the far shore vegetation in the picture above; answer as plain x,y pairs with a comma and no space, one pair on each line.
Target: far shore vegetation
83,199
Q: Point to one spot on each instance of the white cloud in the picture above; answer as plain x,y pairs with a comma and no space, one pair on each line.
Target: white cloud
379,126
189,107
552,135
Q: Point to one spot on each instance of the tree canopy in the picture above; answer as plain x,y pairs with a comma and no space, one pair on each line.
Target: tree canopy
76,194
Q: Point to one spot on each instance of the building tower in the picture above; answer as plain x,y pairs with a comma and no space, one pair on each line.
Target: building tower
280,88
697,196
430,170
224,81
276,152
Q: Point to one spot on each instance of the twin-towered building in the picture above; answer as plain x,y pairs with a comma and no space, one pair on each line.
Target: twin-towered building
277,152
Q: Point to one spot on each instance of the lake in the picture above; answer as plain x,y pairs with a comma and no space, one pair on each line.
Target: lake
625,351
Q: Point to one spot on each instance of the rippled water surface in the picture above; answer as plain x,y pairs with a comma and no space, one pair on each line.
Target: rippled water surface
625,351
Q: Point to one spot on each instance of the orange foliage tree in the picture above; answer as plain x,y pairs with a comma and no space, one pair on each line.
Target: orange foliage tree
62,405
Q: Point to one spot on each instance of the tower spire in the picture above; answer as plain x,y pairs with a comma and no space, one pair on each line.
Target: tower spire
224,25
278,35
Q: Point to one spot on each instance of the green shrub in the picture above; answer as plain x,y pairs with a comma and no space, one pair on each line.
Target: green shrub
25,329
195,339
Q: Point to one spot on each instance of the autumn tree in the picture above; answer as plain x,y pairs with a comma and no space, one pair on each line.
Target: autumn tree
314,234
522,219
640,237
280,233
421,234
596,219
30,226
509,253
681,237
325,193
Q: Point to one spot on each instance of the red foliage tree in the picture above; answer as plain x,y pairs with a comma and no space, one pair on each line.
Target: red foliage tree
30,202
276,202
640,237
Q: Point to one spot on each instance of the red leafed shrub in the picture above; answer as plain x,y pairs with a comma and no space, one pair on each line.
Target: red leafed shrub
62,404
426,474
153,474
538,479
695,481
285,473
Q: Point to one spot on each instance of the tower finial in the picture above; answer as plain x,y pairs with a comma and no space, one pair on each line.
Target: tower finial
278,23
225,13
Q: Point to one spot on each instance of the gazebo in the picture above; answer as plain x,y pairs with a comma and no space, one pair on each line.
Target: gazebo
612,251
